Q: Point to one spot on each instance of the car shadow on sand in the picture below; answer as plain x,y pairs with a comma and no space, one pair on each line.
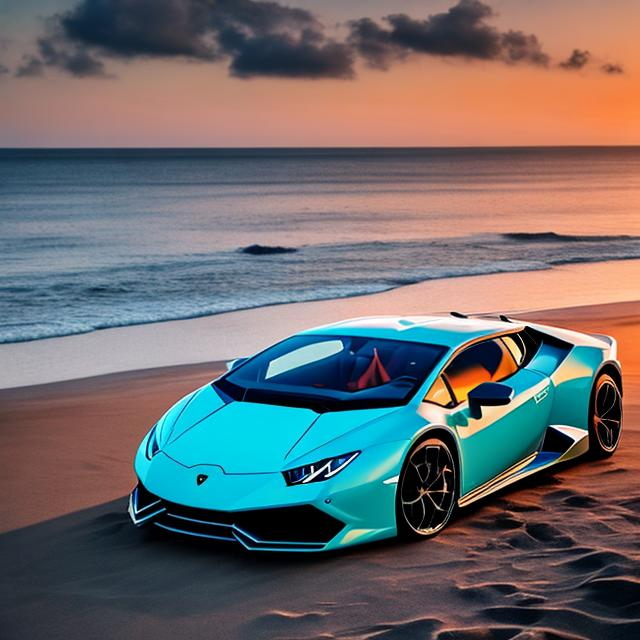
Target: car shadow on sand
532,555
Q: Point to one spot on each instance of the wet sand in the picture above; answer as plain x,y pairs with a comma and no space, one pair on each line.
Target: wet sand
556,556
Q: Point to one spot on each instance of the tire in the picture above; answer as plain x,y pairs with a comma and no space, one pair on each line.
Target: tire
605,417
427,490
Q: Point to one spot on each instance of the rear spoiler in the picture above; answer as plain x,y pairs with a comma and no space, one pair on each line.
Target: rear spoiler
499,316
613,344
600,336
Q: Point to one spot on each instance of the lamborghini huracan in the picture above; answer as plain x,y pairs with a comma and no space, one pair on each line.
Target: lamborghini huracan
373,428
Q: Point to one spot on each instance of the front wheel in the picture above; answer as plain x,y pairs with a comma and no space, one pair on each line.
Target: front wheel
426,495
605,420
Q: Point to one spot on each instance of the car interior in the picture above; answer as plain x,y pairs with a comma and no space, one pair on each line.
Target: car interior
361,364
345,364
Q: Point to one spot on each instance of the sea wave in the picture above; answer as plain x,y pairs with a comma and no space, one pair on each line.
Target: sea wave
551,236
70,301
265,250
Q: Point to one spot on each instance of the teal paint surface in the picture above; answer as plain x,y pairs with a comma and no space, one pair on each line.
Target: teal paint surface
244,447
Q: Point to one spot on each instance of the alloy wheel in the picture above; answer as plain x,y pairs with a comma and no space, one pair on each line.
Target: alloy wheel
428,488
607,414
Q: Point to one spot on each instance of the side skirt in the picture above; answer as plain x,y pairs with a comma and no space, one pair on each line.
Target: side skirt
561,443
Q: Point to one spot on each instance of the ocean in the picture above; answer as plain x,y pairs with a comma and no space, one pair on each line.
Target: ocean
91,239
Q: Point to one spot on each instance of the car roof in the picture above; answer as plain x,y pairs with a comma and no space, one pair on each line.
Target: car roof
447,330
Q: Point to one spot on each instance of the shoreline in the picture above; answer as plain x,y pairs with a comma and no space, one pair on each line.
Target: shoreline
224,336
327,298
596,313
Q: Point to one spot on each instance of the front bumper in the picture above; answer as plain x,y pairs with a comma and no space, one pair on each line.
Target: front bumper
259,511
299,528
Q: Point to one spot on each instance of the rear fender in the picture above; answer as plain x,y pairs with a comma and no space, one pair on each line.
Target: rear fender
612,367
573,381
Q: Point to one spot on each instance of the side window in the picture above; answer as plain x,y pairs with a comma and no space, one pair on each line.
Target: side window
439,394
531,341
516,347
488,361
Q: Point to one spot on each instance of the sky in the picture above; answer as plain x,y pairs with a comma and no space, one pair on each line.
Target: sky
247,73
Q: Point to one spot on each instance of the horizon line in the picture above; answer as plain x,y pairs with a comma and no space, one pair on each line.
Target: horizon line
315,147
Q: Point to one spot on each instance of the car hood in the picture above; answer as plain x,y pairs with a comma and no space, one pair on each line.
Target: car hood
248,437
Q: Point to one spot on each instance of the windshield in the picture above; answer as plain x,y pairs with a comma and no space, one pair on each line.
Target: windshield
333,372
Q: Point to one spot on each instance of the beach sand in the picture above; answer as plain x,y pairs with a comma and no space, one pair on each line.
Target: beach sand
556,556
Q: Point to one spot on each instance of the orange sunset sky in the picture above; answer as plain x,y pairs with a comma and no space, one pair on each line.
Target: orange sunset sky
157,85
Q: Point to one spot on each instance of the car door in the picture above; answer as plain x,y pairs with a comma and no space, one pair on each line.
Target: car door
505,435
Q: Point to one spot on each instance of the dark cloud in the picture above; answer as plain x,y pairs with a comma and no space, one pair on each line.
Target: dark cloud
57,51
30,67
264,38
612,68
257,38
522,47
374,43
136,28
462,31
3,70
578,59
284,56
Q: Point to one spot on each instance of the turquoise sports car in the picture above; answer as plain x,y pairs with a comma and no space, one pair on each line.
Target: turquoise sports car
375,427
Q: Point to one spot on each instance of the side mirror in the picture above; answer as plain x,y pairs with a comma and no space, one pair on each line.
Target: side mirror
488,394
232,364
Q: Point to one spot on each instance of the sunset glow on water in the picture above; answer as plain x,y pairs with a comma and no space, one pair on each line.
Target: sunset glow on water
95,239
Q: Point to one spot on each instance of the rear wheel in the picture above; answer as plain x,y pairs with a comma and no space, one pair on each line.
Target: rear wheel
605,423
426,495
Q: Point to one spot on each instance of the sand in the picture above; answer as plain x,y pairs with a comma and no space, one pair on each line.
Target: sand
556,556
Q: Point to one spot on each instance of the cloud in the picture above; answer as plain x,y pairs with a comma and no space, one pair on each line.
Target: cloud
612,68
3,70
578,59
303,57
256,38
263,38
30,67
374,43
58,51
462,32
521,47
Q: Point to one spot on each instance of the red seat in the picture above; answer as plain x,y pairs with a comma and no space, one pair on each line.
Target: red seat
374,375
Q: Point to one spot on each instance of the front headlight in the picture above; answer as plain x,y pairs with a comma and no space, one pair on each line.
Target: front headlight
322,470
152,442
